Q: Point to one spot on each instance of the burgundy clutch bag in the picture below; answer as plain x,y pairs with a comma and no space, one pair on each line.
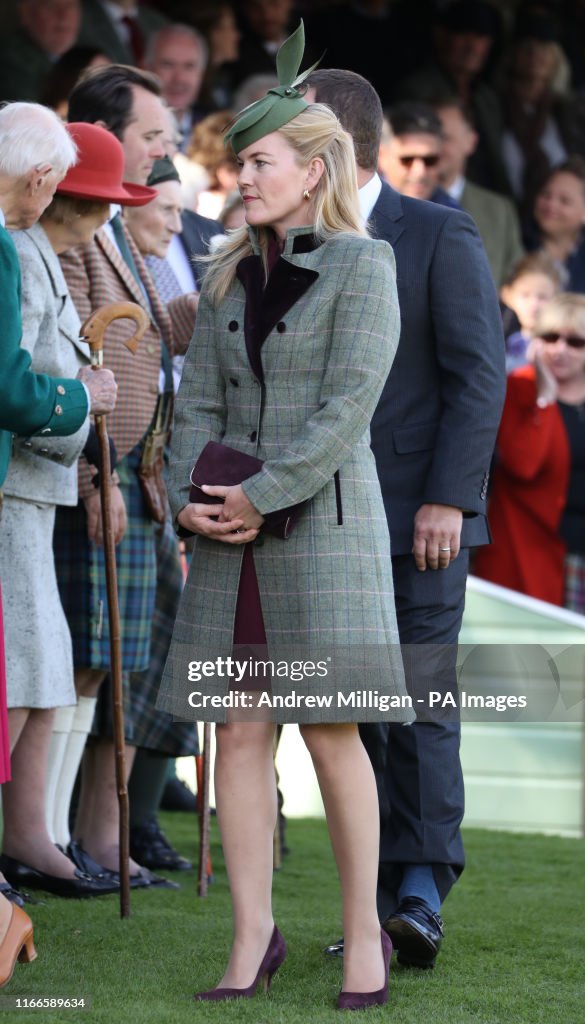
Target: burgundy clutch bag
222,466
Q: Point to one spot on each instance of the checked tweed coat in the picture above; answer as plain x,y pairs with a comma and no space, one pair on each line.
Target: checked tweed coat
306,412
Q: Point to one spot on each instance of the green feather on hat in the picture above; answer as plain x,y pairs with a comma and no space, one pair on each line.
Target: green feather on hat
280,104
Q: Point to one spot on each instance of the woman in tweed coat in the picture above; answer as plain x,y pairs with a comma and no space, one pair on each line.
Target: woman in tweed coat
297,328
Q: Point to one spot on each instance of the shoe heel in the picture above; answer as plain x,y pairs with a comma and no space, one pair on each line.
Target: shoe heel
28,952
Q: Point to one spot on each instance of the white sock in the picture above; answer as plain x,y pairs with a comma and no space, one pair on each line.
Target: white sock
62,724
82,721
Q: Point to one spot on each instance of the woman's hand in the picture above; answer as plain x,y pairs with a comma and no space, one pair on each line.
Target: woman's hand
546,385
204,520
236,506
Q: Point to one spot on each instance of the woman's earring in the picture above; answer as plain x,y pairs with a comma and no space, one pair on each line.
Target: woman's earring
306,194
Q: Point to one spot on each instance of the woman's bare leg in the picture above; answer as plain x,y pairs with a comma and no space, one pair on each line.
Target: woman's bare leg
245,793
348,788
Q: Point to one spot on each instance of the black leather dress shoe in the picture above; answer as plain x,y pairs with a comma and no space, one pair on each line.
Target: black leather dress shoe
80,886
416,932
143,880
335,949
150,847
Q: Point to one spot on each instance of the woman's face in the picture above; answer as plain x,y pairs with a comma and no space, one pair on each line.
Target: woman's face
83,227
224,38
271,182
560,206
566,363
153,226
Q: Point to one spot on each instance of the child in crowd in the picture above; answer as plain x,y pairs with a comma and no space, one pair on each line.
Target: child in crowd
533,282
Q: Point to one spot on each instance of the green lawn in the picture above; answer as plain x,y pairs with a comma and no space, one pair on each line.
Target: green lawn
513,954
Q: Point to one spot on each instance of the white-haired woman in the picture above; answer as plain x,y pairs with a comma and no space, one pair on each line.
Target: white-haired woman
297,328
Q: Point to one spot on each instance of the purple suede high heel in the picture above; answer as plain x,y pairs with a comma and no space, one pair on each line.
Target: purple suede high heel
362,1000
273,958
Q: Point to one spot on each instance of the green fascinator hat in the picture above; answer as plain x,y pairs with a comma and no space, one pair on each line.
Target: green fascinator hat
280,104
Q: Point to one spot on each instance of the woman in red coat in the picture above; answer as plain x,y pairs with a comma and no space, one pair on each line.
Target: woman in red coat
537,504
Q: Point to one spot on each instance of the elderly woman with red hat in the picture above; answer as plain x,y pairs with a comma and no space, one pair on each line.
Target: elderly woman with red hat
43,474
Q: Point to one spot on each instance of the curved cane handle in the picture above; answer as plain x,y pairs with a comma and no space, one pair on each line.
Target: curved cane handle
95,326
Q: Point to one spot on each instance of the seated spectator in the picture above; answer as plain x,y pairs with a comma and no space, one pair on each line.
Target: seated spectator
537,504
177,54
410,152
542,127
119,28
64,75
47,29
264,24
464,37
558,227
208,150
533,282
217,24
494,215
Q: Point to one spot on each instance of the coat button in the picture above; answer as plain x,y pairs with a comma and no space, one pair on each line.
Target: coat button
60,389
233,325
235,382
43,451
28,444
47,430
58,410
253,435
281,327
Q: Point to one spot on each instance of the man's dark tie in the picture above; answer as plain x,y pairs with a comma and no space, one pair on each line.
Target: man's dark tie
135,37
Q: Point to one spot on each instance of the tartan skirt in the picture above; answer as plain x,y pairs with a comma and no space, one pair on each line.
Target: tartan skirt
575,583
82,579
145,726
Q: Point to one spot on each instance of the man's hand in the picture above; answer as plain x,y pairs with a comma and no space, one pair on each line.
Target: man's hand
102,388
93,511
204,520
437,534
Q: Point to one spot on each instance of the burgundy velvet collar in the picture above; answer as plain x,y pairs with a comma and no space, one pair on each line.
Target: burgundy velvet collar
266,306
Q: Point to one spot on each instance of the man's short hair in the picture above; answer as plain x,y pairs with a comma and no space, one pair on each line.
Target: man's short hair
448,101
357,105
105,94
413,118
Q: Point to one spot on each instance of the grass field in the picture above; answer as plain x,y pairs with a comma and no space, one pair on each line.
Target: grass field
514,950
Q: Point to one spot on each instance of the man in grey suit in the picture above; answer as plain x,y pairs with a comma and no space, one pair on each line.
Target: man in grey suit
495,216
433,435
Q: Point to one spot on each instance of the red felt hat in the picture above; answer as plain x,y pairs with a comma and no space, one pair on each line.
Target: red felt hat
99,169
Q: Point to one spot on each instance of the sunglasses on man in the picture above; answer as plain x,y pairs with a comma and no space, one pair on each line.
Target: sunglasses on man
572,340
429,161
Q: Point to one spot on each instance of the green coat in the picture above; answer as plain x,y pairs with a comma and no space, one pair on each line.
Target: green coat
30,403
328,588
497,221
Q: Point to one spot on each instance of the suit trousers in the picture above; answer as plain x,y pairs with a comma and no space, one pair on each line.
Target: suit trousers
417,767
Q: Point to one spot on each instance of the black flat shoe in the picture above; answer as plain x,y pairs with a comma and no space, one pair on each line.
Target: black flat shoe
143,880
80,886
11,894
416,932
151,848
335,949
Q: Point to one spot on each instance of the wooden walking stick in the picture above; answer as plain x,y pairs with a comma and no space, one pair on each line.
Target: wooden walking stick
203,800
93,331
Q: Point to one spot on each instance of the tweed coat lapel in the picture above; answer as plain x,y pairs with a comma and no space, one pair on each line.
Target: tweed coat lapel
386,219
267,305
113,256
67,315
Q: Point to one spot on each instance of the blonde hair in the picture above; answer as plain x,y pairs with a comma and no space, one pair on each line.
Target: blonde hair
565,312
315,132
535,263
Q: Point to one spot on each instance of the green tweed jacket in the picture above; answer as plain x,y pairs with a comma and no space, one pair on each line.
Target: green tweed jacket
30,403
324,364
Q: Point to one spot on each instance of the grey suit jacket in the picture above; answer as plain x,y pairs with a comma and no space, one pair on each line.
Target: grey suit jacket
44,468
499,227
